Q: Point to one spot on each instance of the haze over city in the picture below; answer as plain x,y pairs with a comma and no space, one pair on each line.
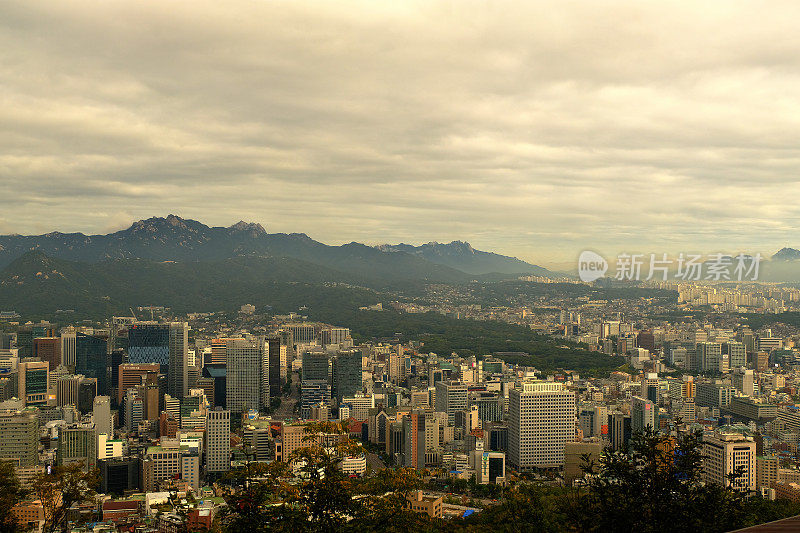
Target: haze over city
528,131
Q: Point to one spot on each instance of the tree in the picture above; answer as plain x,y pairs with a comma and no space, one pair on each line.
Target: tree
10,494
308,493
655,486
526,507
59,490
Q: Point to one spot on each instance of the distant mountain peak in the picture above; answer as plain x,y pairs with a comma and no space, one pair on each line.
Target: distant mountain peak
248,227
786,254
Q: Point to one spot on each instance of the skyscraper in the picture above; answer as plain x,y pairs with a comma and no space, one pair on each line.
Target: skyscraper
91,359
315,366
101,416
218,441
149,342
68,338
451,396
542,419
48,349
165,344
414,440
347,374
178,373
273,347
247,378
133,375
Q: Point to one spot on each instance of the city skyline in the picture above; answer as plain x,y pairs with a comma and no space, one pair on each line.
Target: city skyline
526,131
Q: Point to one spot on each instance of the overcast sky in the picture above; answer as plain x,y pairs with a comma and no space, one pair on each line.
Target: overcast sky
532,129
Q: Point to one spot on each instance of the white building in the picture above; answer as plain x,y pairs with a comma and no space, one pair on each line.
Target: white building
218,441
723,454
542,419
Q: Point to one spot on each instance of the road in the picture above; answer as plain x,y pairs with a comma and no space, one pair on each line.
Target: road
289,404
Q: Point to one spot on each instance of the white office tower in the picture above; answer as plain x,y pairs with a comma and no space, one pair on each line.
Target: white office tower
218,441
542,419
101,415
723,454
247,379
178,371
68,344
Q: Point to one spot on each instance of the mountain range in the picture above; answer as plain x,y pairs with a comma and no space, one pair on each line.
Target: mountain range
173,238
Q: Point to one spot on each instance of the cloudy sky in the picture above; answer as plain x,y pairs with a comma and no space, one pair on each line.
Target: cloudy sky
532,129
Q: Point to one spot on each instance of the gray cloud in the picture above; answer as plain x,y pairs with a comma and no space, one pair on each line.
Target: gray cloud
525,128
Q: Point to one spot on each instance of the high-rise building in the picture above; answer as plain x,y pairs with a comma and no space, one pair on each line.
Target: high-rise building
413,453
395,364
218,441
77,443
273,349
347,373
19,437
164,463
68,338
619,430
33,378
316,366
132,375
101,416
148,342
576,455
166,344
67,389
218,374
302,333
178,373
92,359
715,394
451,396
737,354
247,375
542,419
644,414
489,404
710,356
650,387
312,392
172,406
48,349
87,390
119,475
218,354
133,406
724,454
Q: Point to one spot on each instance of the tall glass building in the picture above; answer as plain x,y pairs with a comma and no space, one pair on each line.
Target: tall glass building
92,360
148,343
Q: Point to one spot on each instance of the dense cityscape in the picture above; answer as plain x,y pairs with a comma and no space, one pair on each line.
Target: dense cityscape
164,410
423,265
